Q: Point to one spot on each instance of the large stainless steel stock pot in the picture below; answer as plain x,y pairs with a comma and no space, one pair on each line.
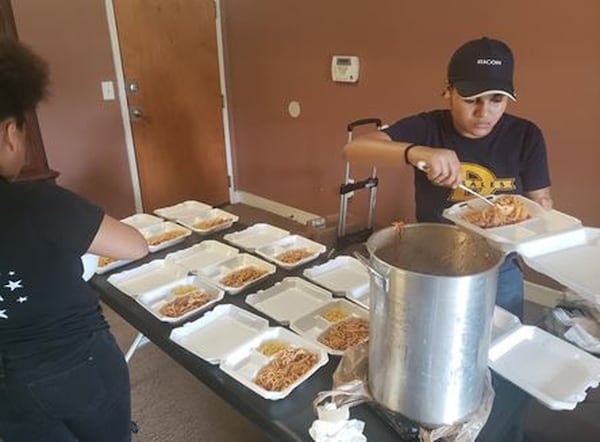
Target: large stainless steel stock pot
432,293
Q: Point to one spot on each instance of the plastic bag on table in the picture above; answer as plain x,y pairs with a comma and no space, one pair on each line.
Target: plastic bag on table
578,320
351,387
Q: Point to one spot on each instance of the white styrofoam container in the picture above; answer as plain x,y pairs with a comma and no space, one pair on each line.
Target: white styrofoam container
218,332
161,228
204,254
255,236
553,371
313,324
244,363
217,272
274,249
155,299
111,266
146,277
343,275
571,258
181,210
289,299
191,221
543,223
142,220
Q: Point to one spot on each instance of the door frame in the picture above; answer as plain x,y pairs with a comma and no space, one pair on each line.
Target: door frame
122,95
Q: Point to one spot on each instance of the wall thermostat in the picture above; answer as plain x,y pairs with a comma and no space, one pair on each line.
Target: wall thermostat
345,68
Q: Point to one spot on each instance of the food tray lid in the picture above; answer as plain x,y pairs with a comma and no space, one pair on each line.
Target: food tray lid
190,221
147,277
543,223
218,332
570,258
141,220
203,254
155,299
255,236
553,371
342,275
311,325
183,209
274,249
289,299
244,363
164,227
217,272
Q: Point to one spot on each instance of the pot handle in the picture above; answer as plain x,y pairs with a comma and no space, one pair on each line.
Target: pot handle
381,280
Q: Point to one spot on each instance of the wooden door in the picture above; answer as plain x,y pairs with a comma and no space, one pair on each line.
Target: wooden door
169,54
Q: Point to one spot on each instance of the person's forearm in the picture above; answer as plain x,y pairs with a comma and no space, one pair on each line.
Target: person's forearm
375,152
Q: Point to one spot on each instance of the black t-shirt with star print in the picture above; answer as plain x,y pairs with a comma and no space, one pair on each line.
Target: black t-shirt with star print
510,159
44,302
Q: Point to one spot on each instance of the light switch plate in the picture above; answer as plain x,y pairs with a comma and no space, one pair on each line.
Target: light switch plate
108,90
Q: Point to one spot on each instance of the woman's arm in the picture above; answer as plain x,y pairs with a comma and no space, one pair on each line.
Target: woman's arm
542,197
115,239
378,149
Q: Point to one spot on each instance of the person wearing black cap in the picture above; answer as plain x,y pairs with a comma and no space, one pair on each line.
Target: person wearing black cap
474,142
62,374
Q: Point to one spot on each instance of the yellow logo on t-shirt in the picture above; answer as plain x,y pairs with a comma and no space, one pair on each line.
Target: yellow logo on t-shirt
481,180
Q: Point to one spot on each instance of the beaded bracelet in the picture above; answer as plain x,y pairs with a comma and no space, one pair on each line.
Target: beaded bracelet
406,149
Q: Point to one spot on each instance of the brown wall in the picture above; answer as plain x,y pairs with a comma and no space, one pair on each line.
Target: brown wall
279,51
83,135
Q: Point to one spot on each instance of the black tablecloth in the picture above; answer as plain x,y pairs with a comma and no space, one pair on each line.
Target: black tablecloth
288,419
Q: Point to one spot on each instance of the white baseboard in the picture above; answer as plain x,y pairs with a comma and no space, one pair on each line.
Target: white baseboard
280,209
541,294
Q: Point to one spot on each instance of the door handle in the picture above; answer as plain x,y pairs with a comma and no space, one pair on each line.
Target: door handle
135,113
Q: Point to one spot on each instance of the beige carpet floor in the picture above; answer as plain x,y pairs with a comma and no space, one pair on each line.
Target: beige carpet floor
171,405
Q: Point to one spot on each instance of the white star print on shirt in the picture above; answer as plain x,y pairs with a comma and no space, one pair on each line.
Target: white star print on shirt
13,285
21,299
3,314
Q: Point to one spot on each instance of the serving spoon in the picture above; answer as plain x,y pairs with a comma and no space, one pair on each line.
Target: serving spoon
421,165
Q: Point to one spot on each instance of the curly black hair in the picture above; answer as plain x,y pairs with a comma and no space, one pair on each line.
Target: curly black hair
23,80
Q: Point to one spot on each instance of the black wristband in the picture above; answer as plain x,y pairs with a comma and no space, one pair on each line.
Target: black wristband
406,149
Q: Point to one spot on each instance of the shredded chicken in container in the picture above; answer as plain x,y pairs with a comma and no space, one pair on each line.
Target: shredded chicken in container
345,334
508,209
285,368
184,303
242,276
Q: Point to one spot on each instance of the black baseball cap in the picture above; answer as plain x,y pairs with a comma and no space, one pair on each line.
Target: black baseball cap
480,67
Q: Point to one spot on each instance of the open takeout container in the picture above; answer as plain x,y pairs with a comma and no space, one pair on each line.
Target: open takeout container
219,273
183,210
288,244
553,371
550,242
155,300
289,299
317,322
232,337
146,277
255,236
541,224
163,235
213,220
203,254
344,276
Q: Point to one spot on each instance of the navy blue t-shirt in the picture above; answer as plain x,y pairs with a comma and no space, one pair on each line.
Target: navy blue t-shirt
510,159
44,302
